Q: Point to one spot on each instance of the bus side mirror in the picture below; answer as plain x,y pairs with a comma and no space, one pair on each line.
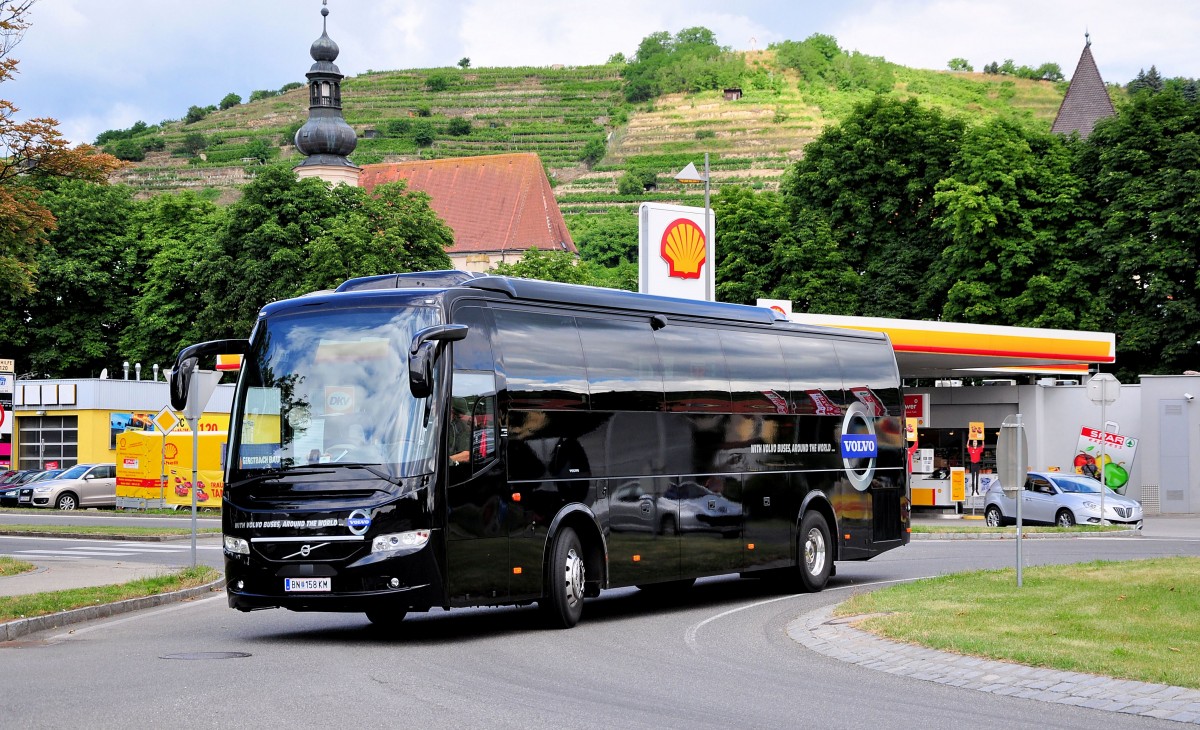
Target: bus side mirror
188,357
420,370
181,382
423,353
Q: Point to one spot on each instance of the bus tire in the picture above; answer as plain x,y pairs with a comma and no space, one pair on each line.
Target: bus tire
563,603
814,557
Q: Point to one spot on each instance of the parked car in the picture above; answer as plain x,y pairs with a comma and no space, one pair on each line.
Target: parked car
1063,499
83,485
44,475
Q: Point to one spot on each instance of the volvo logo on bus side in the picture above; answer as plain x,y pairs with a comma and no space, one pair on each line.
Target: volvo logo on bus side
358,522
857,445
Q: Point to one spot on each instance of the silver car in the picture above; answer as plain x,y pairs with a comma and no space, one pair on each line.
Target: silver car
83,485
1063,499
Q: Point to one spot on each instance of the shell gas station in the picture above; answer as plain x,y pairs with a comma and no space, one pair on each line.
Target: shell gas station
961,381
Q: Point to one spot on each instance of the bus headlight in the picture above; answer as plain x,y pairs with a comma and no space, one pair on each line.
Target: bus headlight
236,545
410,540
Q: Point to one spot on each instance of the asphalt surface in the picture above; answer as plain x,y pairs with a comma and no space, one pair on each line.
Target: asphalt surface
818,631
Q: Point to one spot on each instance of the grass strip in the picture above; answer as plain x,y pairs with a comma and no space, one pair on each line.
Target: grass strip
12,566
41,604
1130,619
106,530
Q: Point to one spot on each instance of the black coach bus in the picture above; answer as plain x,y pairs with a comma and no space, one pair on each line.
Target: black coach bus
445,439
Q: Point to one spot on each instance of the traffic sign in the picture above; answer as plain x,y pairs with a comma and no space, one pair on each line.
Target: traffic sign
166,420
1012,454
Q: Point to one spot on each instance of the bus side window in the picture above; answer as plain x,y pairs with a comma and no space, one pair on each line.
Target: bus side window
757,377
622,364
543,360
813,374
694,374
473,429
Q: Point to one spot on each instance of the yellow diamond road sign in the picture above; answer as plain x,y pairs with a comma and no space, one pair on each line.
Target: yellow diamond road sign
166,420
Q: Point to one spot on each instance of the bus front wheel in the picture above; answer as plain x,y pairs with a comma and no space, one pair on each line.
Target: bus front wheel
815,556
563,604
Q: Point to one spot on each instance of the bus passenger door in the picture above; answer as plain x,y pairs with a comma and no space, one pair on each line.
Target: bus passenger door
476,495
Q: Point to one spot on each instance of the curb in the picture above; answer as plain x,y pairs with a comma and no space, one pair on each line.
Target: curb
104,536
17,628
838,638
1024,535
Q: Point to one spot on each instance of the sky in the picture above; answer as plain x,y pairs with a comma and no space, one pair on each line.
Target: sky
104,64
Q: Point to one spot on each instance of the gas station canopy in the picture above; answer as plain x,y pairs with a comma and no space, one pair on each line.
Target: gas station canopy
949,349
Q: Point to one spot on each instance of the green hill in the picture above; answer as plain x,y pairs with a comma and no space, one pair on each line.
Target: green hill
555,112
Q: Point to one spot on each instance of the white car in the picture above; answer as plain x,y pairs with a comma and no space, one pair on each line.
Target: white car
1063,499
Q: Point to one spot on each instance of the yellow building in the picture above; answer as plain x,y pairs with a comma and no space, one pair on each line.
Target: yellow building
60,423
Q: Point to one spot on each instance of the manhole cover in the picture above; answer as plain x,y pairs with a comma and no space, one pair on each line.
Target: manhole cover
198,655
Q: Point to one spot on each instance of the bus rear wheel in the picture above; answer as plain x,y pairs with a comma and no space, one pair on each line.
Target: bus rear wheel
814,555
563,603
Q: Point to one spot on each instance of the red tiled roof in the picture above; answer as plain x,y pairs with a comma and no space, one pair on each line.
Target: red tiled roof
1086,101
492,203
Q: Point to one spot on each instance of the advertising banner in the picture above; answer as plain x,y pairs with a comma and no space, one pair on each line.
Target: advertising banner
675,257
149,468
6,400
1116,461
916,407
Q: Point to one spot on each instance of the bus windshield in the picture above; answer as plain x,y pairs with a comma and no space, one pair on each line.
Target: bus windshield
330,387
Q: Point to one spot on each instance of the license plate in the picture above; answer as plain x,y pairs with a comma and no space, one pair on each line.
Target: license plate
305,585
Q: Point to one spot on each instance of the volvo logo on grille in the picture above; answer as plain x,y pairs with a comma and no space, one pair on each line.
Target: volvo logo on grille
358,522
304,551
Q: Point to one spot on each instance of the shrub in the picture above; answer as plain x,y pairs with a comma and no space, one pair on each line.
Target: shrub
593,151
196,113
289,86
424,110
423,133
437,82
458,127
705,134
229,101
127,149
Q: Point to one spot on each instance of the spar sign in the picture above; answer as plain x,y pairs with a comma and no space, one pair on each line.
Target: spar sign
675,258
1115,458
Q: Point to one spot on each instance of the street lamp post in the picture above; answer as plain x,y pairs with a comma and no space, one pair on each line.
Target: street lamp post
689,175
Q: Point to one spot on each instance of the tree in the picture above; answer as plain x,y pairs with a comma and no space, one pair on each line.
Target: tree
1014,213
86,278
606,239
32,153
872,178
229,101
960,64
196,113
287,236
176,238
464,63
1141,168
593,151
546,266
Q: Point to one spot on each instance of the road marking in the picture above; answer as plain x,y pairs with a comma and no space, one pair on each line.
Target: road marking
689,636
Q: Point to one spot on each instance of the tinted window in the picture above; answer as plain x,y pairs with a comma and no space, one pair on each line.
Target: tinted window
475,351
543,361
812,368
869,375
694,374
758,381
623,370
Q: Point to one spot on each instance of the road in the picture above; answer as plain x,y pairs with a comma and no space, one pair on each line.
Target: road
719,656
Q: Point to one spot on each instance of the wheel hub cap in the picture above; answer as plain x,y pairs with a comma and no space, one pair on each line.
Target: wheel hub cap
814,552
574,575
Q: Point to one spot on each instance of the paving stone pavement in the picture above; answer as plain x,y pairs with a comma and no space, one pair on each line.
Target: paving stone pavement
837,637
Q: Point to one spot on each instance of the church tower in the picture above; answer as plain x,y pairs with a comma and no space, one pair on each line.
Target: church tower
326,139
1087,99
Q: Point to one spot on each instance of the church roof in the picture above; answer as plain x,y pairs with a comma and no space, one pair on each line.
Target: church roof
1086,101
492,203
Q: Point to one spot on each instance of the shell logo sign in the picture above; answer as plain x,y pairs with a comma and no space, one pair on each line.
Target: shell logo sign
683,249
675,258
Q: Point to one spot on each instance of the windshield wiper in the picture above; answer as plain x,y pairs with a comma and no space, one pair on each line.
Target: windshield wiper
259,478
358,465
